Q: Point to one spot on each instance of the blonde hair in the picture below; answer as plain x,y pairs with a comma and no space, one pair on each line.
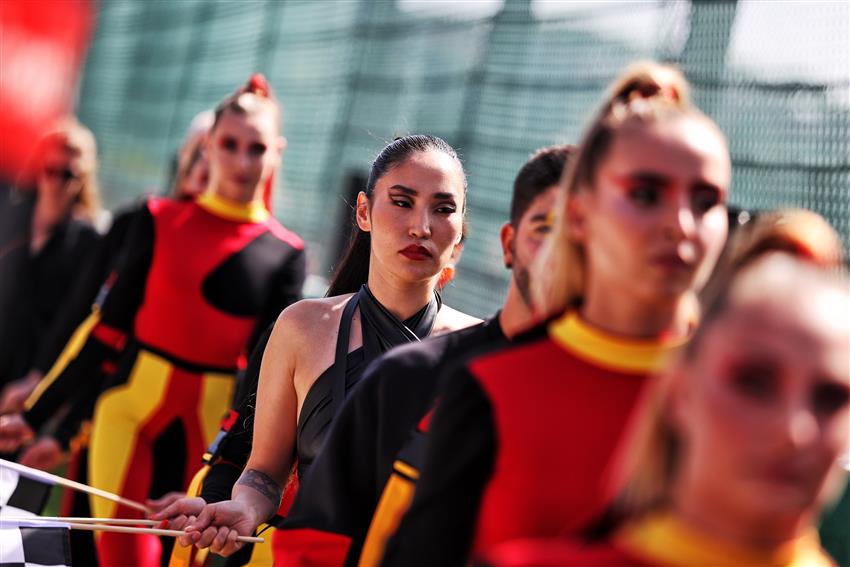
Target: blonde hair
191,150
653,450
645,92
75,138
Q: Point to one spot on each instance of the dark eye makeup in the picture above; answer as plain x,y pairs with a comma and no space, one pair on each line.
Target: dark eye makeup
828,398
755,380
705,197
645,195
257,149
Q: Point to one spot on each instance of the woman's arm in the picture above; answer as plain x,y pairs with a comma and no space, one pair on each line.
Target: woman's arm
256,495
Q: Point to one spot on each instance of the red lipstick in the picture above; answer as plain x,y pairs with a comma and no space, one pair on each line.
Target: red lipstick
415,253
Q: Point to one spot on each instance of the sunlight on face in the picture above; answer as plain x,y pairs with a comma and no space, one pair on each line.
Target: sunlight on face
415,216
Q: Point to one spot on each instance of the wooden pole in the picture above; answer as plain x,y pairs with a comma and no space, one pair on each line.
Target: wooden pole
54,479
93,527
151,531
66,519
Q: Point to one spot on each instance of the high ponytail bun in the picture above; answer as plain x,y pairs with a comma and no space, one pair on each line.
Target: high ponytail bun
258,85
650,80
256,93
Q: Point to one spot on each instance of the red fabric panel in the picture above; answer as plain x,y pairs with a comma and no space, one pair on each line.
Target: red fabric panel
558,422
189,243
309,548
559,553
110,336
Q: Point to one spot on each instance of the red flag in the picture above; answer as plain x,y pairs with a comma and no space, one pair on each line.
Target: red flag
41,46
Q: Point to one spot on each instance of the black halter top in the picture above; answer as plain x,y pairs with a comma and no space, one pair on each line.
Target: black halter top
381,331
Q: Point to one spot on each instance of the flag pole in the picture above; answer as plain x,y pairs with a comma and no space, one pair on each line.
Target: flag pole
94,527
150,531
54,479
79,520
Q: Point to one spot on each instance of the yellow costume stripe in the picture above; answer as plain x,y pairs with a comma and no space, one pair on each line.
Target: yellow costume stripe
406,470
254,212
613,353
117,416
76,342
191,556
393,505
664,540
216,392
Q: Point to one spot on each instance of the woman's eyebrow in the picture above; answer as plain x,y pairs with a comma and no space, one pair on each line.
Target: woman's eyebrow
648,177
405,190
413,193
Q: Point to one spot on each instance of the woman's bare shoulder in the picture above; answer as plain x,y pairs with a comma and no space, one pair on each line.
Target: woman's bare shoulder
309,317
450,319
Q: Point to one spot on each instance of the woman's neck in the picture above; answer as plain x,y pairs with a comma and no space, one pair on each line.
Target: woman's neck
236,196
619,314
711,515
402,299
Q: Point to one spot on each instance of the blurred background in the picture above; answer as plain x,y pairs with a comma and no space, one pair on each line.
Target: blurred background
495,78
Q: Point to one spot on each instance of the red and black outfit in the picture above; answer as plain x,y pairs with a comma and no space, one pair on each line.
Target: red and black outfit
363,479
521,442
656,541
197,283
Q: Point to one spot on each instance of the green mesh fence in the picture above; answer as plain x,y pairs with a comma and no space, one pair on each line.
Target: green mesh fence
497,80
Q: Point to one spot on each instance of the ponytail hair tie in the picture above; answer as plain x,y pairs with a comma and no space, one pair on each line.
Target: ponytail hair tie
669,92
258,85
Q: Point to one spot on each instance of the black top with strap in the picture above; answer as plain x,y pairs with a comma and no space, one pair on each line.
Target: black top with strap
381,330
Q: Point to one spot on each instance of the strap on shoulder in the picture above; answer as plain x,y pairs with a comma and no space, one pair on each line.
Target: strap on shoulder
341,356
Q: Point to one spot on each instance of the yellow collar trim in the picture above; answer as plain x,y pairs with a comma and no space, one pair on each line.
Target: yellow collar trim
664,540
254,212
614,353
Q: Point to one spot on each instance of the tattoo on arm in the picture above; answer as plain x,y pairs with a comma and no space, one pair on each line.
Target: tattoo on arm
262,483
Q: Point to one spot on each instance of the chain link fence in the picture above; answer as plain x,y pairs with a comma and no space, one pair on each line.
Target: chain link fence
495,79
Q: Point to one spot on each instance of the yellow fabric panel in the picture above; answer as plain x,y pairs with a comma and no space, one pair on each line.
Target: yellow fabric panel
190,556
216,391
664,540
614,353
262,556
406,469
117,416
253,212
75,344
393,505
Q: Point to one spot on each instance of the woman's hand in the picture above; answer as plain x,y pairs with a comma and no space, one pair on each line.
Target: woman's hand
16,392
45,454
176,508
218,525
14,432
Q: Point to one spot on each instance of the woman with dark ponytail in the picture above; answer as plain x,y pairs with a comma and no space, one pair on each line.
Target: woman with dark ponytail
408,225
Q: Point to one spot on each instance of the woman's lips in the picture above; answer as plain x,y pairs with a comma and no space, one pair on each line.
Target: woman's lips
416,253
241,179
672,262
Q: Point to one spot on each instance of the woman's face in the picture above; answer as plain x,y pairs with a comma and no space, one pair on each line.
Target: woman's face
763,407
243,151
654,223
415,216
59,179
